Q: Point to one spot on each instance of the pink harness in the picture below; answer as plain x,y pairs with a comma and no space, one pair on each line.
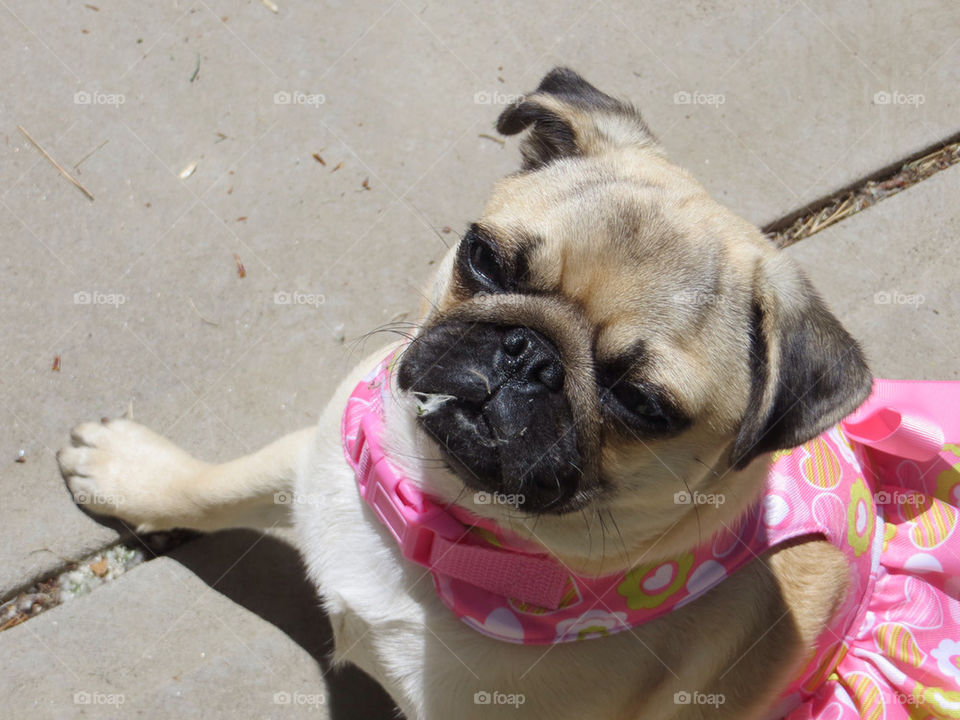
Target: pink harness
840,485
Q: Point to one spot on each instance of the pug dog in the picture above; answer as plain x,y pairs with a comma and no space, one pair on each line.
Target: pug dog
604,335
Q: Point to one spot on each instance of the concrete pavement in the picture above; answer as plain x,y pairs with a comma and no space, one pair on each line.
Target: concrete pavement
195,127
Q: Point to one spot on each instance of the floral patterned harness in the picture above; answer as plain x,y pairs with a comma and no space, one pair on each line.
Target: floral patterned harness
883,487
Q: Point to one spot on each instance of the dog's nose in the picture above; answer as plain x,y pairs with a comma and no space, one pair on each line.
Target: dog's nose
532,358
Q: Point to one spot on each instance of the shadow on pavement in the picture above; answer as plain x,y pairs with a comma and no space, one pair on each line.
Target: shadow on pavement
270,581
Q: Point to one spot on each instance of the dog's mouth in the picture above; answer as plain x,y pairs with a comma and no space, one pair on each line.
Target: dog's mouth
495,407
497,453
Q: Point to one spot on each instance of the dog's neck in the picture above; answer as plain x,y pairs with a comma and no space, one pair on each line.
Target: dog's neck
601,539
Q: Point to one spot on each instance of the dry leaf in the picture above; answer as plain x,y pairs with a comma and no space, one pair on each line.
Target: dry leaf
99,568
13,622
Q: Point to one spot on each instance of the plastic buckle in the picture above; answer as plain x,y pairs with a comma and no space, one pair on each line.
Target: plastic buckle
412,519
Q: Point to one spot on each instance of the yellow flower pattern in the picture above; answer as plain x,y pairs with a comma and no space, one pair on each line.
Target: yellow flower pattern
861,517
642,585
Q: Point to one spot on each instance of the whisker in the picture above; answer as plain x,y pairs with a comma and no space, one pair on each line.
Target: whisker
589,533
603,539
626,555
705,465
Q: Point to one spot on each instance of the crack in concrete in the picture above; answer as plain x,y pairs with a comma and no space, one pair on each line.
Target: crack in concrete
866,192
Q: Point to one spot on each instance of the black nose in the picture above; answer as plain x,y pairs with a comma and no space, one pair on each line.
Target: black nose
530,357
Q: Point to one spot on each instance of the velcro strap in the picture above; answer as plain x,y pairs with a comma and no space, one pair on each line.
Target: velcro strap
534,580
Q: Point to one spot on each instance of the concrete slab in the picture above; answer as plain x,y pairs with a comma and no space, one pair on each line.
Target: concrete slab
890,274
391,97
225,627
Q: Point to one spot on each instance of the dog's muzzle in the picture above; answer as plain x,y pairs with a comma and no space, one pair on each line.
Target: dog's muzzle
493,399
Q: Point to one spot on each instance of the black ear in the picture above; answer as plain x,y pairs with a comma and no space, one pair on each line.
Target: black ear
807,372
569,116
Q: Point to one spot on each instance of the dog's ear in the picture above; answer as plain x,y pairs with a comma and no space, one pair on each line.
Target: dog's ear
569,116
807,372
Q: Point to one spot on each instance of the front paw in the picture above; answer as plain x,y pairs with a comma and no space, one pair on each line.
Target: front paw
123,469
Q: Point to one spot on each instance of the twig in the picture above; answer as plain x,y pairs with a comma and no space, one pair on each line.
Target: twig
200,314
53,162
84,158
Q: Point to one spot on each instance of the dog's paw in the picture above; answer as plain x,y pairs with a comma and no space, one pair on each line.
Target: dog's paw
123,469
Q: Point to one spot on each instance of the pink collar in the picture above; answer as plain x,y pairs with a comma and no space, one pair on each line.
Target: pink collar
493,581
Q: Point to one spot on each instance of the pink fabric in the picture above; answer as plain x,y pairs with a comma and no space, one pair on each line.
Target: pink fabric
901,658
896,639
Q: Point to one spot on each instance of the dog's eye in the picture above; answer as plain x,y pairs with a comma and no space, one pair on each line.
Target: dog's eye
637,407
636,401
484,263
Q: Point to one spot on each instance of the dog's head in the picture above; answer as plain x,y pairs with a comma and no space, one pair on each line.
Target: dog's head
606,335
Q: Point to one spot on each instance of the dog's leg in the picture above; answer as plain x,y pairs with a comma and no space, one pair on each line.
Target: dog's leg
123,469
